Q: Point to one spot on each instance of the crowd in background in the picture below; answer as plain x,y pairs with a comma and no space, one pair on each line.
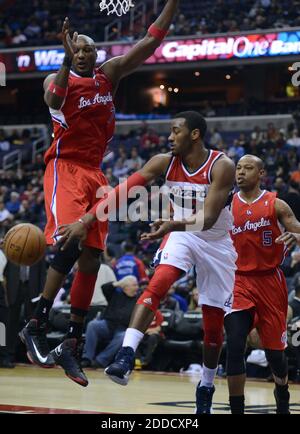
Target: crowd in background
39,22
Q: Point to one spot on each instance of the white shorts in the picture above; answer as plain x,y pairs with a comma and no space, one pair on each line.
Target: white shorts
214,261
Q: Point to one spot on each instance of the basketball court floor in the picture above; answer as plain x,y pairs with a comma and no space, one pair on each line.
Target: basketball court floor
29,389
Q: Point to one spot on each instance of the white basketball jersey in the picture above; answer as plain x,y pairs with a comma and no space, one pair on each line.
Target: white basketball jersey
188,191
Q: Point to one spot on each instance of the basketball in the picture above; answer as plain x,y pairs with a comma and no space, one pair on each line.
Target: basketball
24,244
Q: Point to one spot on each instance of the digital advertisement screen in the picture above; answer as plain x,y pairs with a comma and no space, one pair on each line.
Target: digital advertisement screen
220,48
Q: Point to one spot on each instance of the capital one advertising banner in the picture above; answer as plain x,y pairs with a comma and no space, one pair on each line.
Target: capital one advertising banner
220,48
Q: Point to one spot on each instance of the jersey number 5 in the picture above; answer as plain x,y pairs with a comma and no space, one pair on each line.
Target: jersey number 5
267,238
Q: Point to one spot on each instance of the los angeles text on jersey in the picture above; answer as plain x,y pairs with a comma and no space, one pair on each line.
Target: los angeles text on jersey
150,423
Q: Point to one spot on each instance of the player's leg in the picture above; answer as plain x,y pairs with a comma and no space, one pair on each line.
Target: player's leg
272,307
279,367
213,321
215,268
66,200
237,326
34,334
142,316
68,354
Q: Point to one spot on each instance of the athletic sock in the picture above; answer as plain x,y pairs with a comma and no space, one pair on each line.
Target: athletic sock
208,376
132,338
75,330
41,313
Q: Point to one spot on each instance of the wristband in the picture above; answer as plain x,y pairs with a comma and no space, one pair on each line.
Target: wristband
57,90
157,33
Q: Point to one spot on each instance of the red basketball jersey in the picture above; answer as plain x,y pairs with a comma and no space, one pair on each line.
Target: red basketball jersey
85,123
254,232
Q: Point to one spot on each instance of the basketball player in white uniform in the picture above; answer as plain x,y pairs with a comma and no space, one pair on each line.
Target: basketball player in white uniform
196,177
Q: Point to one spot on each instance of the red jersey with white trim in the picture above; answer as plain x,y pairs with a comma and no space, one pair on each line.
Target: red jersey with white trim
85,123
254,232
188,191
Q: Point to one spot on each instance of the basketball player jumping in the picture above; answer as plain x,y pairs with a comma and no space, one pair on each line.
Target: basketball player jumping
80,98
191,171
260,292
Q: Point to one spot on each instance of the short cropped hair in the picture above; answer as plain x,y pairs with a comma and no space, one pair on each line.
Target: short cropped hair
194,121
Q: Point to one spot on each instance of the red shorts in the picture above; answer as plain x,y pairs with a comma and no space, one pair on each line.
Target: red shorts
70,191
268,296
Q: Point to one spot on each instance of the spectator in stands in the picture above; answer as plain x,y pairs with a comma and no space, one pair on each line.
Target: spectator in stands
105,275
135,162
111,179
18,38
4,142
121,167
38,164
14,204
194,306
294,141
216,140
183,305
129,264
236,151
294,305
5,216
295,175
110,329
292,198
26,214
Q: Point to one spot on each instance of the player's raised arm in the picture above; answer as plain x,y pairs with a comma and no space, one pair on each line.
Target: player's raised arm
154,168
288,220
121,66
55,85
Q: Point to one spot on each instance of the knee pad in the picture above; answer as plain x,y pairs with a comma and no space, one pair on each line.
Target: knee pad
64,260
278,362
213,321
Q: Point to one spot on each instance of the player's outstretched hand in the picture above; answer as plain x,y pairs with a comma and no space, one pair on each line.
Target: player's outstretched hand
161,228
69,44
69,233
289,239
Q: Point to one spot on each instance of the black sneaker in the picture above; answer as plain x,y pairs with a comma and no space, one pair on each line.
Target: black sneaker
282,402
68,356
35,339
120,370
204,397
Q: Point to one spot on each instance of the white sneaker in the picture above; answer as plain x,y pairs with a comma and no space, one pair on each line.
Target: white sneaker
258,357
